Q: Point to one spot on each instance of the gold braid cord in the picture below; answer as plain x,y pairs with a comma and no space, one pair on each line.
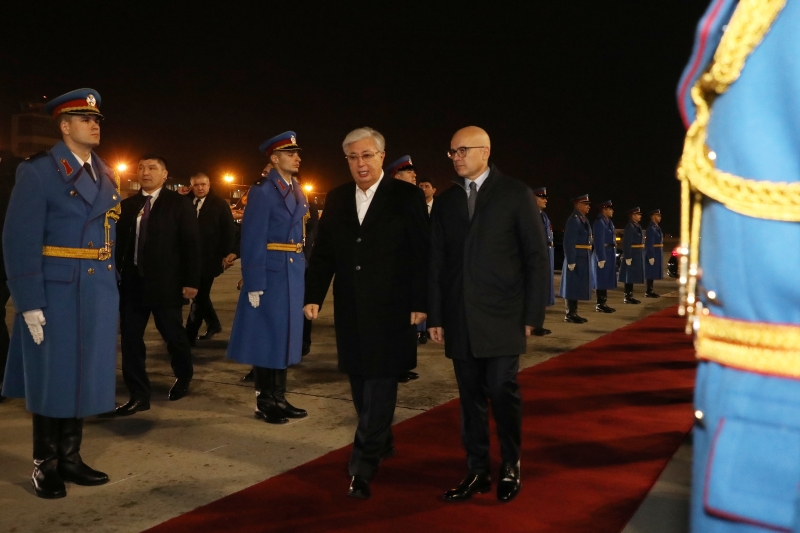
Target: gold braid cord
761,199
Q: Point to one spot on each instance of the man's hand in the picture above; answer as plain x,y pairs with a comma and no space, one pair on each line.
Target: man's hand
237,214
601,264
652,261
227,261
418,318
571,267
311,311
436,335
35,320
255,298
189,292
628,262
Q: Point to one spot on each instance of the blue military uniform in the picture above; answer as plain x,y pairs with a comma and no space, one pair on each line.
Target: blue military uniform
541,192
653,251
605,249
741,157
270,336
577,284
633,252
58,248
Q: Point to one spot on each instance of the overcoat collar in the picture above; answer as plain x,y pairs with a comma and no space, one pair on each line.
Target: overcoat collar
382,194
284,191
107,195
70,170
301,208
483,193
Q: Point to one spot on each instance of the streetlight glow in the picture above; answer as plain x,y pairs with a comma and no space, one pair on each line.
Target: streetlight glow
228,178
308,188
122,167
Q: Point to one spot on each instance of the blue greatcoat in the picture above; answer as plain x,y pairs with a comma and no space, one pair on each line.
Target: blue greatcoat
654,249
746,467
548,231
635,272
72,373
577,284
271,335
605,246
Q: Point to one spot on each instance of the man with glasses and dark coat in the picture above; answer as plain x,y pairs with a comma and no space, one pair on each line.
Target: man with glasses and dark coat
577,272
59,256
605,250
373,240
653,253
632,268
488,292
267,328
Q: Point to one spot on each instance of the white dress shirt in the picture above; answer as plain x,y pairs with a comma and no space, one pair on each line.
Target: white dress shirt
364,198
154,194
430,205
478,181
81,162
197,206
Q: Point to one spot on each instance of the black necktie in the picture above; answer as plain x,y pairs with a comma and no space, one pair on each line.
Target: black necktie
88,168
473,197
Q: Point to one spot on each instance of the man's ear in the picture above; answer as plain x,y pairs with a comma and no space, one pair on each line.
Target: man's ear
63,125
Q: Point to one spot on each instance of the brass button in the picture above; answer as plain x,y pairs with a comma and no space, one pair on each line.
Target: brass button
109,267
291,260
91,244
91,271
358,268
73,192
113,196
358,240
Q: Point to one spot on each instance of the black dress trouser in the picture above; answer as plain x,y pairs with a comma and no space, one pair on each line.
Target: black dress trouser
374,400
480,380
134,315
202,309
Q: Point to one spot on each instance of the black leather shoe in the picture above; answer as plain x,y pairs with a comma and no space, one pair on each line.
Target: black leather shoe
271,415
573,318
630,300
509,484
179,389
359,488
472,484
422,338
80,473
134,405
405,377
279,395
249,377
603,308
46,481
540,332
651,294
70,465
210,333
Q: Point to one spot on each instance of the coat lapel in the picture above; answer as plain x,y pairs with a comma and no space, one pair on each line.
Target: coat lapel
283,190
106,195
376,205
301,202
70,170
485,191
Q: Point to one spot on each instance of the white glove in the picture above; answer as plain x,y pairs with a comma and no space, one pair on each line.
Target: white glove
571,267
628,262
601,264
35,320
652,261
254,297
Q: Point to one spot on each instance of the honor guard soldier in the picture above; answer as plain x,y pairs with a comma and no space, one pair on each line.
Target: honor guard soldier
740,183
577,272
267,328
403,169
541,201
653,253
632,268
605,246
58,247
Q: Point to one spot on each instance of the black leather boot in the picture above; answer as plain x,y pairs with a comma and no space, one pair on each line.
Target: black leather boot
572,313
47,483
266,408
70,465
649,292
629,299
279,393
602,298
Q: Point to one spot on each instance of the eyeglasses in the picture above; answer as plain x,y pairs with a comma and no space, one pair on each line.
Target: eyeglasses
461,152
367,157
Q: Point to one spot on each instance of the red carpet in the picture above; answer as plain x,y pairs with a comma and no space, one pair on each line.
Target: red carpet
601,422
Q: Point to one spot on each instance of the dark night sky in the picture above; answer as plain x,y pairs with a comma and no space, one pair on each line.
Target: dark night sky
577,96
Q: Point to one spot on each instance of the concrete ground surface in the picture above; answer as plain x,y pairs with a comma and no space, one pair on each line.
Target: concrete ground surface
180,455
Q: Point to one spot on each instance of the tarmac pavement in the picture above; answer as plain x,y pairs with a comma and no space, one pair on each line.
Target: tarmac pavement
180,455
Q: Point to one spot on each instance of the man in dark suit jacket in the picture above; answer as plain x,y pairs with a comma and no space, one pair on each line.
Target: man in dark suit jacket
488,291
158,256
217,233
374,237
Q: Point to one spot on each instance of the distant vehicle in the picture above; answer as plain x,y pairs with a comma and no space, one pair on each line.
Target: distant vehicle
672,264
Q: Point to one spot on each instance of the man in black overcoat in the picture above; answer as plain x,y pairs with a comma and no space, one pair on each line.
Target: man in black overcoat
158,257
488,290
217,233
374,237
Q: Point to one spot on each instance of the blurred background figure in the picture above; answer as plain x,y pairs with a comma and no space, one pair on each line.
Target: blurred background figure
631,270
653,253
605,251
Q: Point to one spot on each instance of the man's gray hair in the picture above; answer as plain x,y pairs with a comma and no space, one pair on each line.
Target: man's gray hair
363,133
199,176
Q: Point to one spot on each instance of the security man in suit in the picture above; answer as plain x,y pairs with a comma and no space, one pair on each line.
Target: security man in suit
632,268
541,202
605,246
267,328
577,272
59,256
739,172
653,253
